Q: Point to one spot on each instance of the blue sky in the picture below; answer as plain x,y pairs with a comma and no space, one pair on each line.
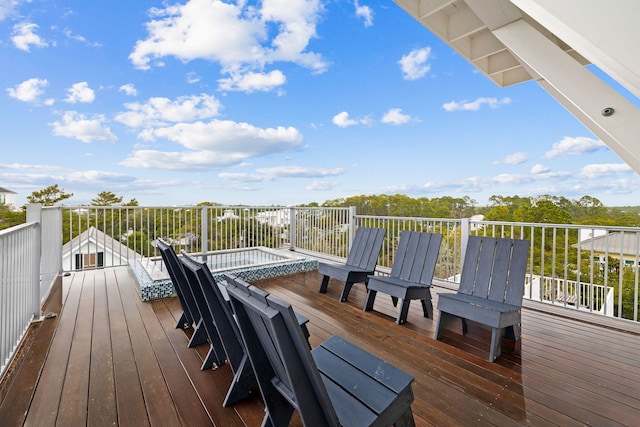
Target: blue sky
277,102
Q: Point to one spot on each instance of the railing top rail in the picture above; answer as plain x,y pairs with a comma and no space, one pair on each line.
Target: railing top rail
544,224
408,218
17,228
180,207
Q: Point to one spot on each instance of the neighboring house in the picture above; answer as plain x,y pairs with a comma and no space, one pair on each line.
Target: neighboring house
625,246
280,218
8,198
94,249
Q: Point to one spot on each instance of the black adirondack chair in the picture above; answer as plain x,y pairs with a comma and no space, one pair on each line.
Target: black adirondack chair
216,355
190,314
491,288
360,264
411,274
217,301
335,384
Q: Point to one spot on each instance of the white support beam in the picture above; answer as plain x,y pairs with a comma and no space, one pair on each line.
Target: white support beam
463,23
579,90
605,32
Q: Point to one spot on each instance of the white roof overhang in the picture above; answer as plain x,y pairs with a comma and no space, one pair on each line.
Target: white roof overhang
550,41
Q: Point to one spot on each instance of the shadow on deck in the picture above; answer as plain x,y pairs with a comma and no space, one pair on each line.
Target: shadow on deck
115,360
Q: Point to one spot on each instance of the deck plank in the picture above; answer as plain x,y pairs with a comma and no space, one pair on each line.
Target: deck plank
102,407
129,397
73,401
159,404
44,407
564,371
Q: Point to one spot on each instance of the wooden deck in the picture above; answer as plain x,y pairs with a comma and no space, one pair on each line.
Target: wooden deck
115,360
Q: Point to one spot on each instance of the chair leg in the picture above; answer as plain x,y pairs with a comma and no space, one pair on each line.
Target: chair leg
210,362
371,297
404,311
345,291
406,419
394,300
512,332
184,322
199,335
427,308
240,387
496,343
324,284
465,329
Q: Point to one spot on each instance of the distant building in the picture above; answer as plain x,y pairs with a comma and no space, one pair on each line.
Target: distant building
622,246
94,249
8,198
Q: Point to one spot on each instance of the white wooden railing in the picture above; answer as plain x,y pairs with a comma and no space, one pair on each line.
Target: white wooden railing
564,268
19,285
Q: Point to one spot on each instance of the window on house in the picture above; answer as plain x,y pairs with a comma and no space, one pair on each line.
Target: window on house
89,261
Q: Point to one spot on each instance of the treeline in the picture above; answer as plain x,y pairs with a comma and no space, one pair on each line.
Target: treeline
541,209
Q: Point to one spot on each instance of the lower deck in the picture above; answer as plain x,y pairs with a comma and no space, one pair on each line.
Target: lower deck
115,360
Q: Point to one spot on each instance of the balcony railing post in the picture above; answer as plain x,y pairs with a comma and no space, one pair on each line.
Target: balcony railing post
204,229
352,224
292,229
34,213
465,228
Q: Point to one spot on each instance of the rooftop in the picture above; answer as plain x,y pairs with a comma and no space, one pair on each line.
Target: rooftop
116,359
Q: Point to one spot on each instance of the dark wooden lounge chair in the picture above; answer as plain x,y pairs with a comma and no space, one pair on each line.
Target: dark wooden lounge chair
491,288
216,299
190,314
361,262
411,274
335,384
216,356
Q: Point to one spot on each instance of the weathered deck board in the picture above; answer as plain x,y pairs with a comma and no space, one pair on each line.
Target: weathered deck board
116,359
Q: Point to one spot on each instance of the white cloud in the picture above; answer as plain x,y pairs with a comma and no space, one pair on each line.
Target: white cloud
214,144
80,92
271,174
24,36
342,120
598,170
87,130
94,176
193,77
163,111
21,166
250,82
241,37
322,186
394,116
475,105
539,168
364,12
514,159
128,89
7,8
574,145
29,90
415,64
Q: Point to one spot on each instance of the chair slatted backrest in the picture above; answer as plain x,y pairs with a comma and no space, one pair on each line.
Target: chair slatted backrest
179,280
219,308
365,250
280,355
495,268
416,257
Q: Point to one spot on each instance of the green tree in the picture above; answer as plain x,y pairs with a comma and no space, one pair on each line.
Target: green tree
9,218
106,198
49,196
